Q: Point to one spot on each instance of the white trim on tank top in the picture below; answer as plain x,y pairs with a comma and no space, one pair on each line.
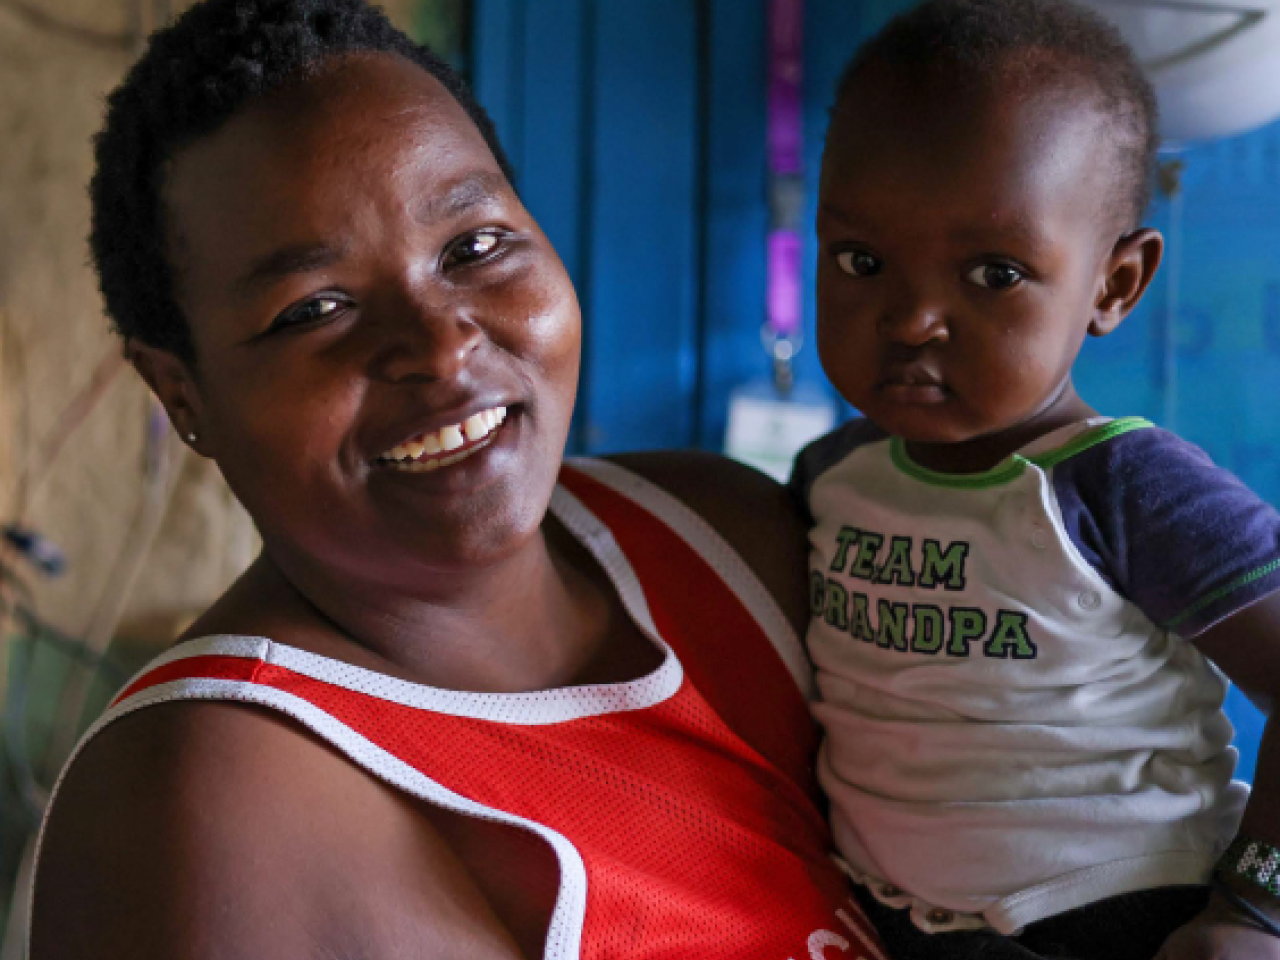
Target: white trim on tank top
558,705
721,557
561,704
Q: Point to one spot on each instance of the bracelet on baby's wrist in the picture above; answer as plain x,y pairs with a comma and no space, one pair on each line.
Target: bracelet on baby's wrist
1258,865
1254,862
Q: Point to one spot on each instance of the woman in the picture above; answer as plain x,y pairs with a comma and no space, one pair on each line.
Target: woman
435,718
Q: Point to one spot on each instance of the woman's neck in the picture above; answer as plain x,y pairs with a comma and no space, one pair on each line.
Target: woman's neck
541,618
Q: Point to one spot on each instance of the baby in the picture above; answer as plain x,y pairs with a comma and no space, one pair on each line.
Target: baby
1020,607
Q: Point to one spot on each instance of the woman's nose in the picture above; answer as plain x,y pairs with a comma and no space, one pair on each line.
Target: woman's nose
427,342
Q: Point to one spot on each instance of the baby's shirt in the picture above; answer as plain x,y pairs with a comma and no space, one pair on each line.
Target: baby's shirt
1015,722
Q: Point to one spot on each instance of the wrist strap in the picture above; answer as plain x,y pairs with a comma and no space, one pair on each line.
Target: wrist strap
1254,861
1257,916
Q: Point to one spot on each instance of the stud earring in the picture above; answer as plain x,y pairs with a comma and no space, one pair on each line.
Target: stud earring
191,438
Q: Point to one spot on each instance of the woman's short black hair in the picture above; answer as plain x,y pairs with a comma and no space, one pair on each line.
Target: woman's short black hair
974,40
194,75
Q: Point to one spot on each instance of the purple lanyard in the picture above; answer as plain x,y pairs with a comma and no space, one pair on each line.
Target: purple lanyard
786,183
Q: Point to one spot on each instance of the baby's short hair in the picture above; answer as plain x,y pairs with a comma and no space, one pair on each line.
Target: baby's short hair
194,76
978,39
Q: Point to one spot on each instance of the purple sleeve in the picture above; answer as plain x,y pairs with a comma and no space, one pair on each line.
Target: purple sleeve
1182,539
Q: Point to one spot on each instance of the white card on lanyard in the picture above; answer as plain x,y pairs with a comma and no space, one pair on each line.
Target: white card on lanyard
767,430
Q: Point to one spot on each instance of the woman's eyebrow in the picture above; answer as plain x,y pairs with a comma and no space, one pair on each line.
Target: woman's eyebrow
473,190
290,259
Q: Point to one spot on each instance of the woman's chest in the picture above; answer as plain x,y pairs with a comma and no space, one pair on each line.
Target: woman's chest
650,833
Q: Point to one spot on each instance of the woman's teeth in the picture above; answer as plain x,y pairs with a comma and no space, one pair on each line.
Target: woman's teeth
421,454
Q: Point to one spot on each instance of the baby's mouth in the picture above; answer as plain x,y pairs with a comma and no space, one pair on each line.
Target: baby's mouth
913,385
446,446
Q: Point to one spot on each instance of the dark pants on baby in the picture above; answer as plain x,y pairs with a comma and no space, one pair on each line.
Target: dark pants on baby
1132,926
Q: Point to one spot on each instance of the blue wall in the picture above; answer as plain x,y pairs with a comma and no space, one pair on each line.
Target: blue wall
638,130
638,134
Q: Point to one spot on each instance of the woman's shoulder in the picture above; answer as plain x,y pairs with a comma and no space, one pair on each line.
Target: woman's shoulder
751,511
167,812
237,827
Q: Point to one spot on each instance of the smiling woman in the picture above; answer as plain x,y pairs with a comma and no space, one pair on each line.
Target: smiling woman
469,701
397,303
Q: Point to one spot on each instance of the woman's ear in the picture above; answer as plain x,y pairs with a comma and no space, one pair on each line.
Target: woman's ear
1129,270
173,382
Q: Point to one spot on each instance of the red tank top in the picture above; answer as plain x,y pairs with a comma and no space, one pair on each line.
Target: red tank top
680,806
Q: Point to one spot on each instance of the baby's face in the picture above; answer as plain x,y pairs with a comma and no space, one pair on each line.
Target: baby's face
963,242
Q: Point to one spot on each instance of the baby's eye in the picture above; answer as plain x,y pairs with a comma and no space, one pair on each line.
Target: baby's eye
313,311
996,276
858,263
473,247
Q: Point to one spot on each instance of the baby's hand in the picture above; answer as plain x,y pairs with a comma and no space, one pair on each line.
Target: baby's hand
1220,934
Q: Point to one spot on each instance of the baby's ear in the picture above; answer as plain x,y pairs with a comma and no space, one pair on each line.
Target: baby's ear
173,382
1129,269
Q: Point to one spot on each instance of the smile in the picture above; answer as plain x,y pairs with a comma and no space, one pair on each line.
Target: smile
446,446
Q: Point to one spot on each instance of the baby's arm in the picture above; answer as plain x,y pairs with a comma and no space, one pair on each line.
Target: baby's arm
1246,647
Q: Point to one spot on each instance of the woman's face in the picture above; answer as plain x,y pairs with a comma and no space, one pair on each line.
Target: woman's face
360,278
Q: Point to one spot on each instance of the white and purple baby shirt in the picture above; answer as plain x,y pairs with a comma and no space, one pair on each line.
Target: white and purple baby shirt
1015,722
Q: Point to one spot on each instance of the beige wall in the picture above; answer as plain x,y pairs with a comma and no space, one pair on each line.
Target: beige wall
53,336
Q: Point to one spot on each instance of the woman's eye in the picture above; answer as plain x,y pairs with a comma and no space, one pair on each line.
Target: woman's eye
315,310
474,247
858,263
996,276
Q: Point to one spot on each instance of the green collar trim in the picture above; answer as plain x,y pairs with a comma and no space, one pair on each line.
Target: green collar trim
1016,464
1003,472
1090,438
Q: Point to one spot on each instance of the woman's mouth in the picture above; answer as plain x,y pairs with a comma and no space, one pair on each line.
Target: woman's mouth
446,446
